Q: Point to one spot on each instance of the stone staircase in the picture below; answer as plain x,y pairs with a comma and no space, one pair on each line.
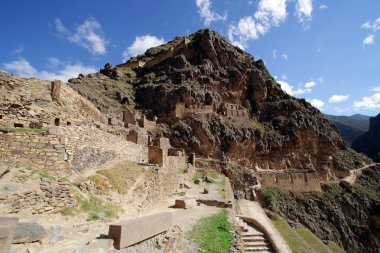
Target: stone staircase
252,239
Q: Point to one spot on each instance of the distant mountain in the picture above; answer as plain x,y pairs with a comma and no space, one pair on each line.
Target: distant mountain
350,127
369,142
360,117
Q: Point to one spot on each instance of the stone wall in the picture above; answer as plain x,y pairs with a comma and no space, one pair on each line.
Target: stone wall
53,196
167,54
44,152
232,110
181,110
92,147
296,182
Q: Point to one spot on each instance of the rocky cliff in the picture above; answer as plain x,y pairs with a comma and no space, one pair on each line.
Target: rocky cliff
216,100
369,142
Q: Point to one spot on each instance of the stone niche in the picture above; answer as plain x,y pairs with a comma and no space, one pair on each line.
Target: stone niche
156,156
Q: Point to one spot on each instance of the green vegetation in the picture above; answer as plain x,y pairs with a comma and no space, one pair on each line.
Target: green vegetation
259,127
46,175
99,180
213,234
270,197
198,175
302,240
95,206
119,175
177,193
181,171
29,130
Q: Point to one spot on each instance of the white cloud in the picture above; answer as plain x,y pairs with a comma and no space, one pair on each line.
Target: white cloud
284,77
274,53
23,68
338,98
321,80
209,16
316,103
304,11
309,85
371,102
60,28
285,56
88,35
374,26
20,67
269,13
369,40
376,89
301,89
291,90
141,44
323,6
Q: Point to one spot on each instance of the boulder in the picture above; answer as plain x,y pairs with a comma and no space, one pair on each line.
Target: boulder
27,232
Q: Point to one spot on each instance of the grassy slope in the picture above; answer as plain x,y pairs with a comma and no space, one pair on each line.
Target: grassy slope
213,234
302,240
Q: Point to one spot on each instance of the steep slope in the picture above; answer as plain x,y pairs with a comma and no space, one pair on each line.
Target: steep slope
350,127
350,218
217,101
369,142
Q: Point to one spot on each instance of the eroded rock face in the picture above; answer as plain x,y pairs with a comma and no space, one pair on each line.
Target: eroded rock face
369,142
279,131
213,99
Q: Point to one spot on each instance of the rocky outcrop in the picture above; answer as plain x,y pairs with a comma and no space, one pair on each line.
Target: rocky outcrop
369,142
214,99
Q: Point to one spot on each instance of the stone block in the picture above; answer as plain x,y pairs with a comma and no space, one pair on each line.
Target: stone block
185,203
27,232
7,230
136,230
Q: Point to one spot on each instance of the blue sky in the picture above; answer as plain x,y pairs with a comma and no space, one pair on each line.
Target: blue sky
324,51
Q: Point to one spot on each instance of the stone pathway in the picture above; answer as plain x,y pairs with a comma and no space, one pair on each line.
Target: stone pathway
252,239
252,213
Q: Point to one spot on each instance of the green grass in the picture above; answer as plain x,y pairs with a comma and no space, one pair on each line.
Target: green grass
94,206
213,234
302,240
270,197
29,130
181,171
198,175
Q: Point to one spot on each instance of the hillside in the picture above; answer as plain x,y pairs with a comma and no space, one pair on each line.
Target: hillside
350,127
194,123
369,142
219,102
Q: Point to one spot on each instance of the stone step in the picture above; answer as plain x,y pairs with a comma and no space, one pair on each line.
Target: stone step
252,234
257,249
253,238
262,251
256,244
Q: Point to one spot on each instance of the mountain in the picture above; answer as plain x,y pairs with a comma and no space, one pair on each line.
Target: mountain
369,142
360,117
222,106
217,101
350,127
